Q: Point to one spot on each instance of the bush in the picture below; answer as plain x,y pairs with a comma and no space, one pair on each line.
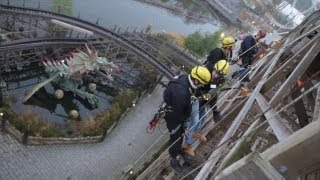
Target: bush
34,124
103,121
89,127
202,44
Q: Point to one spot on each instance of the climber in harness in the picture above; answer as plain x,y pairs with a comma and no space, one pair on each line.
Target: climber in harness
177,95
219,53
249,47
207,93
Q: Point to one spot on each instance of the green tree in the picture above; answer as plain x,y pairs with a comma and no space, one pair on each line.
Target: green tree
62,6
202,44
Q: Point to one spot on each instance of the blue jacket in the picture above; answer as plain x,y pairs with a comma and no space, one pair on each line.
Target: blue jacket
246,44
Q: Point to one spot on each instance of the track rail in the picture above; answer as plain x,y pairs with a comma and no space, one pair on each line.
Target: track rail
97,30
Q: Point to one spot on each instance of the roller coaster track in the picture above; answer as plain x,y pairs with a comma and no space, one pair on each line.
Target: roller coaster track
43,42
97,30
74,42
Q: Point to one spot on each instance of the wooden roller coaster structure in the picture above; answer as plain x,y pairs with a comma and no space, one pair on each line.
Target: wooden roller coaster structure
274,132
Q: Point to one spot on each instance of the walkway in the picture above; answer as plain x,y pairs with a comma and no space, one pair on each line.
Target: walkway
104,160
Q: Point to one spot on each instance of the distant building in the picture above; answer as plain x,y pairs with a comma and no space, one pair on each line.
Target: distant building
291,13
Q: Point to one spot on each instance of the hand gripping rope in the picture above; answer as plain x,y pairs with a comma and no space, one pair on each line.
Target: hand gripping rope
157,117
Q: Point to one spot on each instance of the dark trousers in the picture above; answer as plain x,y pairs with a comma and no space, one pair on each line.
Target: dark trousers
246,60
173,120
175,141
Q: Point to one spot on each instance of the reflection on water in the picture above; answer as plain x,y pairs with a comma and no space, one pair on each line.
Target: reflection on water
129,13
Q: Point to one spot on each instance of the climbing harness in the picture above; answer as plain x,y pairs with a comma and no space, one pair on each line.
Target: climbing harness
163,108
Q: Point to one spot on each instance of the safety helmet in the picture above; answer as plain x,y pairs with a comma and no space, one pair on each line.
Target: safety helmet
222,66
202,74
228,41
262,33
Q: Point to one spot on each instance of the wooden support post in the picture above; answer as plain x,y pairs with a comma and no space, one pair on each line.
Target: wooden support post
275,121
300,109
316,113
296,74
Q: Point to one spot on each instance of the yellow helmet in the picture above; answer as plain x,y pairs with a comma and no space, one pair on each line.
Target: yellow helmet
228,41
222,66
202,74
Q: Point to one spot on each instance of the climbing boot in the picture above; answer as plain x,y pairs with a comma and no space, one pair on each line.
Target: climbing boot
199,136
188,149
174,163
187,160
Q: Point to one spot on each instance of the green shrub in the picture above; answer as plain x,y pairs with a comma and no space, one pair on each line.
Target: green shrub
202,44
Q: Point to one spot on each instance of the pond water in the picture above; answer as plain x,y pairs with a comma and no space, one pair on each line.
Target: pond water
129,13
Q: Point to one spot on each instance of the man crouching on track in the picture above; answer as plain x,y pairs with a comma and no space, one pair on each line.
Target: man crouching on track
177,97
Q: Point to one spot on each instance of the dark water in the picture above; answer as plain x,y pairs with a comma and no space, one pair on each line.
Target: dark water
53,110
129,13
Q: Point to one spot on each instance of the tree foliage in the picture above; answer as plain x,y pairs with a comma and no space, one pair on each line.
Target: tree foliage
202,44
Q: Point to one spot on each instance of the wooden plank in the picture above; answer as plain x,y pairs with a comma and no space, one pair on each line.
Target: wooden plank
277,124
251,99
258,76
297,152
235,150
230,103
258,67
287,67
251,167
296,74
316,113
300,45
206,169
301,112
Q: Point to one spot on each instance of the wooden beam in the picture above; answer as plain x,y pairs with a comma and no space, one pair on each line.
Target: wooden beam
257,69
316,113
298,152
233,154
251,99
258,76
206,169
301,112
296,74
231,101
251,167
287,67
276,122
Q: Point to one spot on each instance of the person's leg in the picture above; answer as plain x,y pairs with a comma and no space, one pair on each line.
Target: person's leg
191,125
196,134
246,60
192,122
175,149
202,117
215,112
